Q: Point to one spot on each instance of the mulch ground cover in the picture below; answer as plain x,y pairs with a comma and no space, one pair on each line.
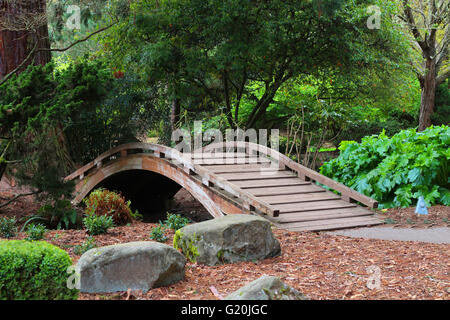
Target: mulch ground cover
320,265
438,216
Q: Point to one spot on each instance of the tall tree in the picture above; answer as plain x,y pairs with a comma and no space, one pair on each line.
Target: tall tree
216,51
429,25
23,29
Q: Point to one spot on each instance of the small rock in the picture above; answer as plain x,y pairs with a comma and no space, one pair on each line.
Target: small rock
229,239
135,265
266,288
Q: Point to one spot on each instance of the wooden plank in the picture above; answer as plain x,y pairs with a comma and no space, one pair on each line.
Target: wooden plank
322,215
310,206
209,155
299,198
257,175
264,183
333,224
303,171
303,187
238,167
223,161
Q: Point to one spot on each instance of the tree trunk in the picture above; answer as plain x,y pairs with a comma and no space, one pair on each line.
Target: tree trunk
175,114
2,169
428,95
18,39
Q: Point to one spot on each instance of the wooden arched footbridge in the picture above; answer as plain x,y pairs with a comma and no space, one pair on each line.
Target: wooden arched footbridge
239,177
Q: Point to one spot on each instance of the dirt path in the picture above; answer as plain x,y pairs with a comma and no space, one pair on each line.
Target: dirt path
430,235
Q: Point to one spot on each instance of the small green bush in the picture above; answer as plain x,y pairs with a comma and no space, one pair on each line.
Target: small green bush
35,232
34,271
175,221
396,171
8,227
85,246
96,225
60,215
158,233
104,202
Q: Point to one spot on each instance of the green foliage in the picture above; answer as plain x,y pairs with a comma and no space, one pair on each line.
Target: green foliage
186,245
175,221
35,232
158,233
85,246
96,225
441,114
8,227
56,118
60,215
104,202
396,171
232,59
396,121
25,111
34,271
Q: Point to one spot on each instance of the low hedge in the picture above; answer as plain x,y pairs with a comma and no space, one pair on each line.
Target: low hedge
34,270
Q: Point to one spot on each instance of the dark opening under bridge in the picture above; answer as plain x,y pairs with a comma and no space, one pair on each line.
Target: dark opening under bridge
229,178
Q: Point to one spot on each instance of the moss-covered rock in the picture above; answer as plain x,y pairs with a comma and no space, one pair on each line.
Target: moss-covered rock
135,265
266,288
228,239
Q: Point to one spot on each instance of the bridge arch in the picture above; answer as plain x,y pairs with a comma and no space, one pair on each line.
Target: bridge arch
156,159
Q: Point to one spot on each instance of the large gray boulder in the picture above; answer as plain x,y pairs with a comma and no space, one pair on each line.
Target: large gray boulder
229,239
266,288
134,265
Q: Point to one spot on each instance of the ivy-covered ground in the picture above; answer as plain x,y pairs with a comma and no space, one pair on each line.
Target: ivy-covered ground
320,265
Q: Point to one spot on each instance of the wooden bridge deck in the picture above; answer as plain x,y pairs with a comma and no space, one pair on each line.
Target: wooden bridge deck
257,181
301,205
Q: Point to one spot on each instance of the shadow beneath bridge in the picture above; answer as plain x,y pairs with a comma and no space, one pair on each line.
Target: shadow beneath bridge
150,193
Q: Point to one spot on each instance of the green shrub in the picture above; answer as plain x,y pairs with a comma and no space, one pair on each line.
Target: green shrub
175,221
34,271
104,202
441,114
85,246
396,171
158,233
396,122
96,225
8,227
60,215
35,232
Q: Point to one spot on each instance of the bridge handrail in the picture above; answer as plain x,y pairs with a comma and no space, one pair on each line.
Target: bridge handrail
303,172
250,202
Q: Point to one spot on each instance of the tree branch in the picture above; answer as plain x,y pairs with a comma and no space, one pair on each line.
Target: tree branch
78,41
440,79
25,61
17,197
36,50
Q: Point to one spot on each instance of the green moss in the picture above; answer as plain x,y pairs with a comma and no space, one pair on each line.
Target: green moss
186,244
176,239
220,255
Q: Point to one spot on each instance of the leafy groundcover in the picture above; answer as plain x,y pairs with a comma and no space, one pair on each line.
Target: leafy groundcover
396,171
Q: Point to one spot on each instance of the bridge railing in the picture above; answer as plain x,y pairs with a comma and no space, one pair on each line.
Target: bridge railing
208,178
347,194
